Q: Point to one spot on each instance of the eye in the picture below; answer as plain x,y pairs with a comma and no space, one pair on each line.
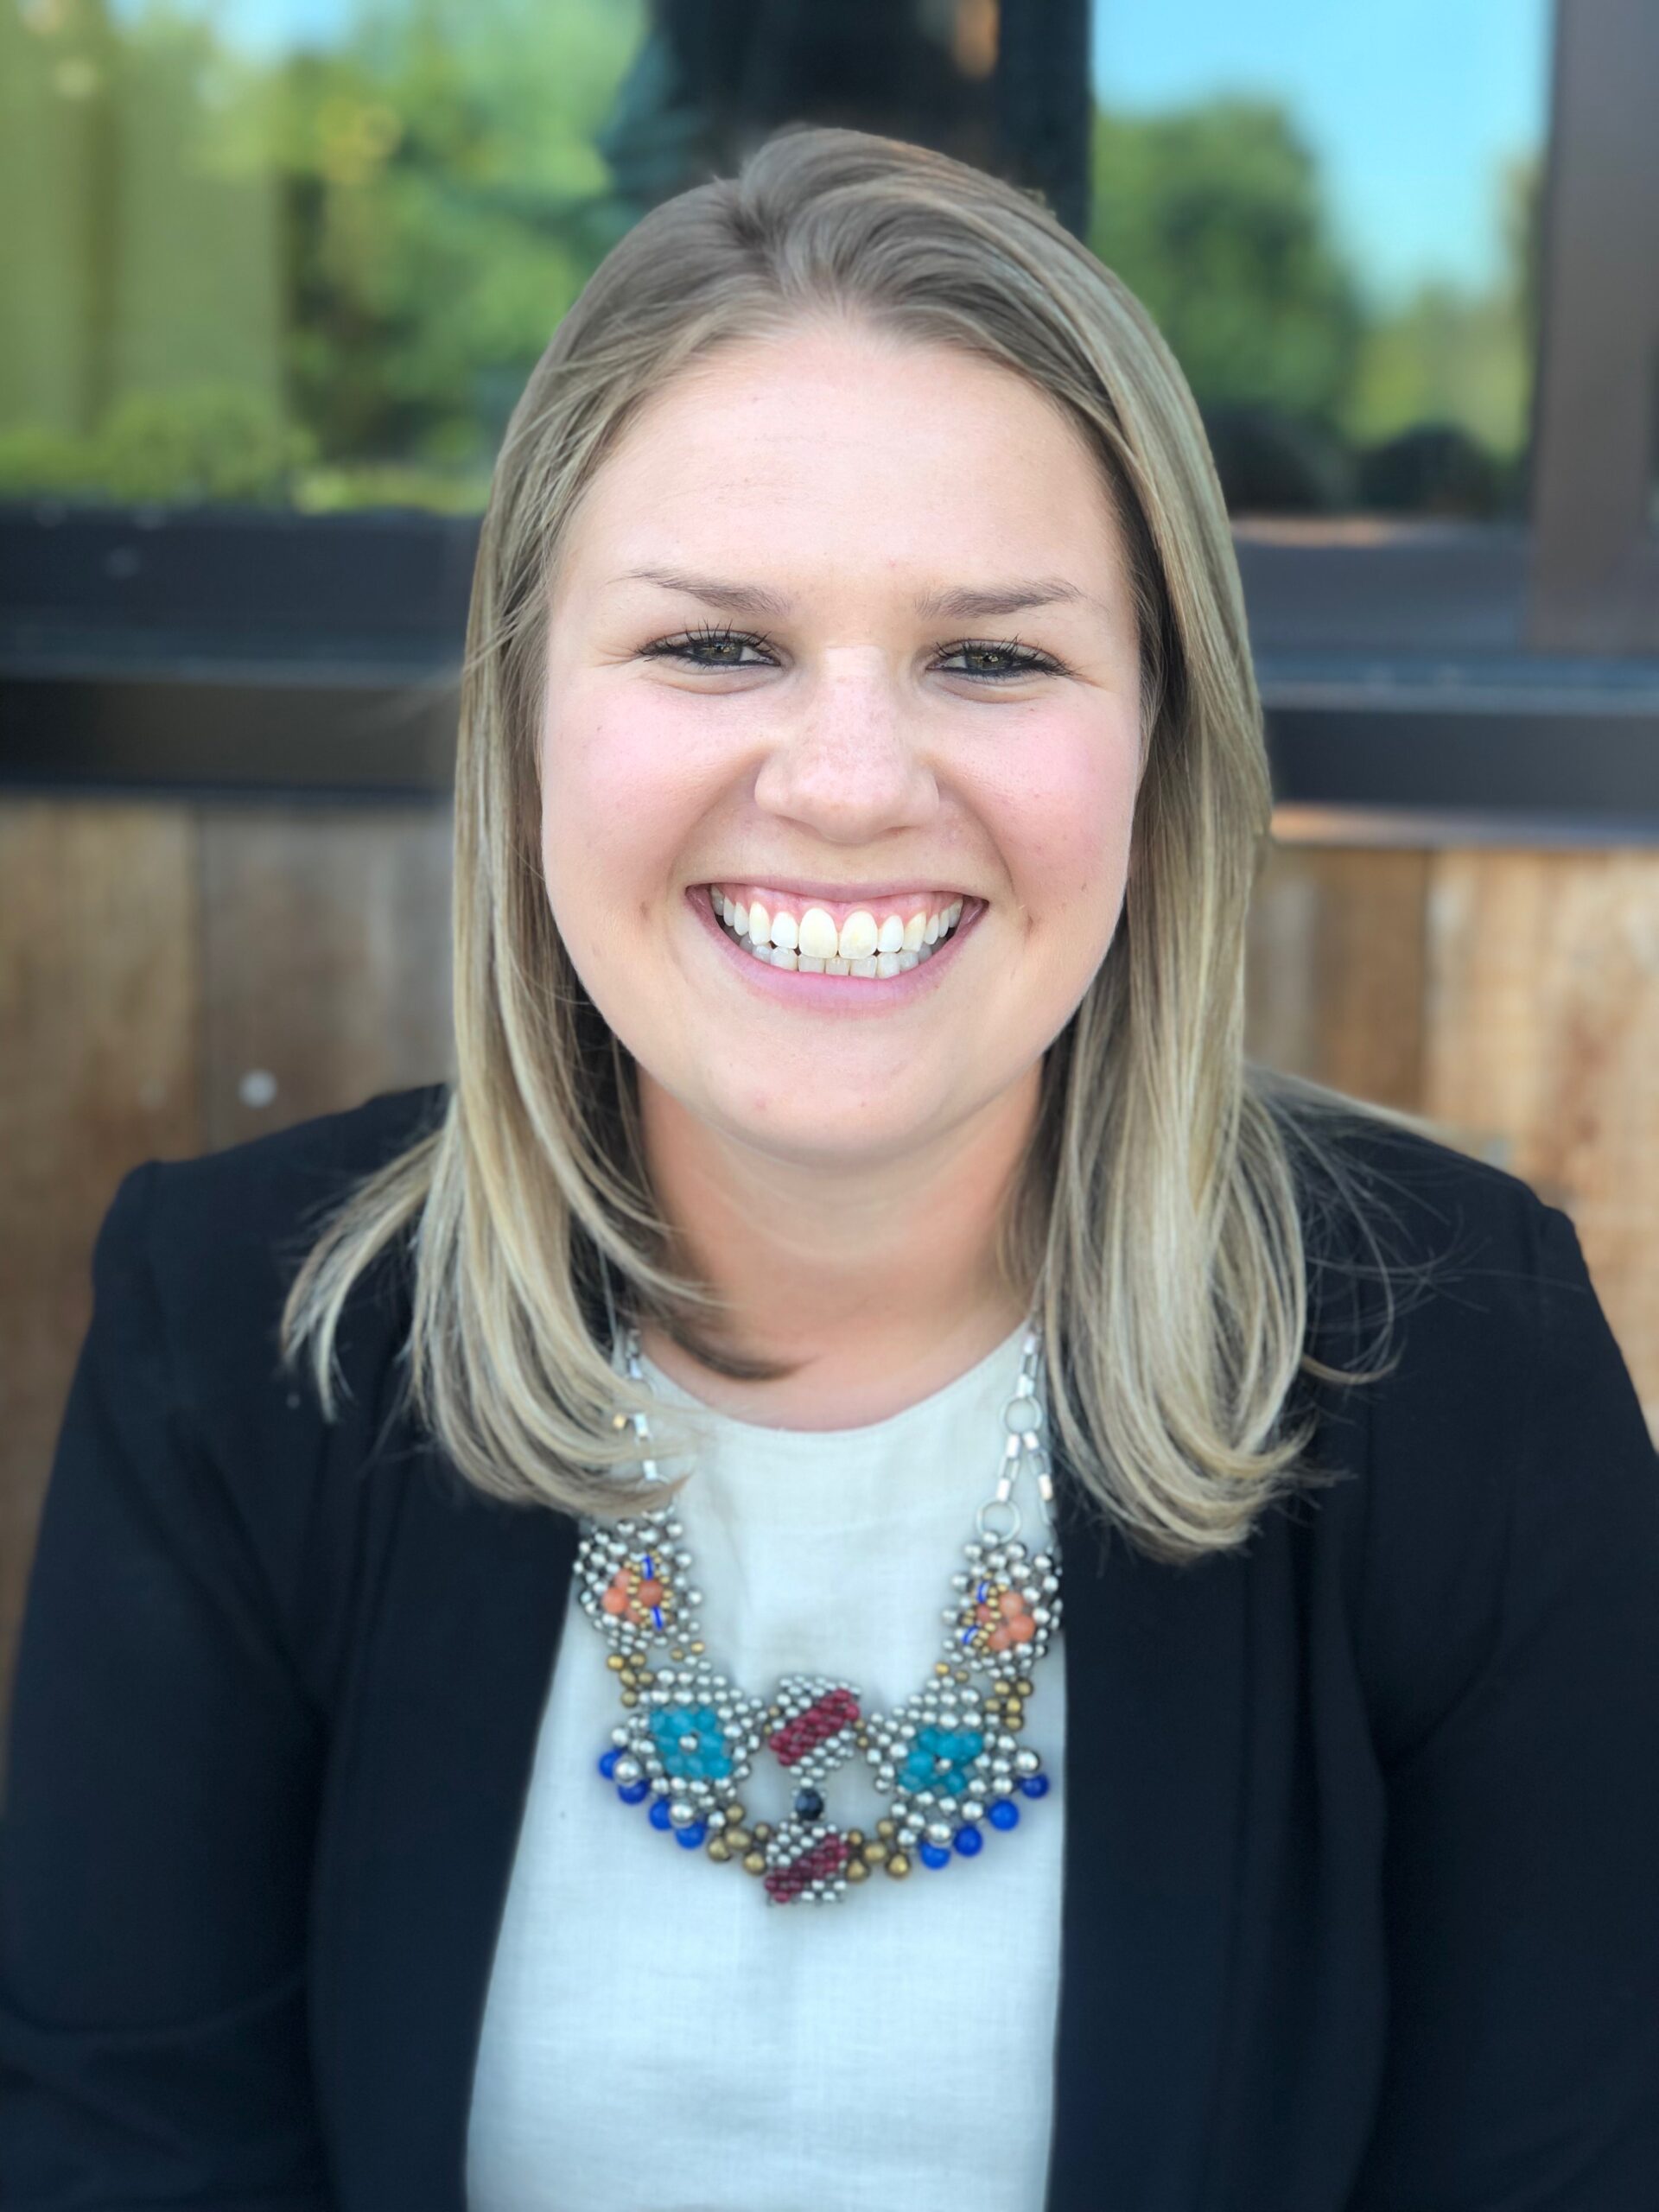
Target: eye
708,647
1016,659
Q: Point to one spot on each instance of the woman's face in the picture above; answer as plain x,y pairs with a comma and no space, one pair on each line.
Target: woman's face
842,630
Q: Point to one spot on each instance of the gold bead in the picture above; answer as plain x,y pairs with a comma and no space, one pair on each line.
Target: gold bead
763,1831
739,1839
874,1852
1013,1718
857,1870
898,1866
677,1654
733,1813
855,1839
888,1829
698,1650
962,1674
615,1662
1024,1686
720,1848
619,1420
754,1862
942,1668
629,1698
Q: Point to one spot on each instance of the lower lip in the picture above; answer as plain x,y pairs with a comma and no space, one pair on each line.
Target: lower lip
846,995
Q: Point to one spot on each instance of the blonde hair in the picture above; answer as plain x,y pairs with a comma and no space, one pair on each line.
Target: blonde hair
1157,1222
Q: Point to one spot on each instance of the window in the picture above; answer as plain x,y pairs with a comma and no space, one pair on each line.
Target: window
273,272
1333,214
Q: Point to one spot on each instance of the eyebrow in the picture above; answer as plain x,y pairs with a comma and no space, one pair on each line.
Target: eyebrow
958,604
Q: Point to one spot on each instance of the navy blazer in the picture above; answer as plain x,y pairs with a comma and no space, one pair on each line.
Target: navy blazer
1362,1849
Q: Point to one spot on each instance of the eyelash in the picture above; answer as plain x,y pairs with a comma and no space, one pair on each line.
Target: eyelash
1027,660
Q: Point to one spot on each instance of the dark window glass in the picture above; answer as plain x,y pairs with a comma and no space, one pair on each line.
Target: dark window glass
1332,212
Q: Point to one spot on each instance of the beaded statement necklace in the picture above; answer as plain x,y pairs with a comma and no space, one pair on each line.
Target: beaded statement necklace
950,1760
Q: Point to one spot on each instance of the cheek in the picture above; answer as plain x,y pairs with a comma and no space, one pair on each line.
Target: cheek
1066,825
615,798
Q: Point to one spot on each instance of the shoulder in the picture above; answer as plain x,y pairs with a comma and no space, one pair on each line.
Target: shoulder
1462,1257
234,1199
191,1275
1502,1445
219,1238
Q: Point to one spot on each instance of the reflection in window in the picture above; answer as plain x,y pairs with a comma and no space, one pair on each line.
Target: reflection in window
306,251
1333,214
290,249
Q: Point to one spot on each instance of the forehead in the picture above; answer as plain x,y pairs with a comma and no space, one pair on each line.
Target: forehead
839,443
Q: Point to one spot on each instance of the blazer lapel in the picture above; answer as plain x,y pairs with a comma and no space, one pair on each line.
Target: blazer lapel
440,1746
1154,1770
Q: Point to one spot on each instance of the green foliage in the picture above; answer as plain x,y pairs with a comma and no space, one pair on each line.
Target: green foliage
197,442
1214,217
443,206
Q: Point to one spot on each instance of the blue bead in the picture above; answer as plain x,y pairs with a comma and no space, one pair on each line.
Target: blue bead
1035,1785
933,1855
688,1838
969,1841
631,1792
607,1763
659,1814
1005,1813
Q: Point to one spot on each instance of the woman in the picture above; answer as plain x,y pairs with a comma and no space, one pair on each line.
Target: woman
852,1156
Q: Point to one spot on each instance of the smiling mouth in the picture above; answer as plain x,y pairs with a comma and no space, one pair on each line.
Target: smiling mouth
862,946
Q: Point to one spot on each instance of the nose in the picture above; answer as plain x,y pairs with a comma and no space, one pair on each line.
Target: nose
844,759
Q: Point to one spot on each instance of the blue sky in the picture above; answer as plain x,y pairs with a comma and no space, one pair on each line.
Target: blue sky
1412,106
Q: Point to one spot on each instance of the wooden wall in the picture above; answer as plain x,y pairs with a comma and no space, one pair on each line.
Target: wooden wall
174,977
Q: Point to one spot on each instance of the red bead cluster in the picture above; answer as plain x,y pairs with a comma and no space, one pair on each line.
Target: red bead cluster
1006,1622
822,1863
633,1595
826,1717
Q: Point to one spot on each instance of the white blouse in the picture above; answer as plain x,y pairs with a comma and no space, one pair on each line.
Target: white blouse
659,2036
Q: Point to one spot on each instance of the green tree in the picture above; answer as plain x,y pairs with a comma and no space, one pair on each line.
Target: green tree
1458,358
1214,217
443,206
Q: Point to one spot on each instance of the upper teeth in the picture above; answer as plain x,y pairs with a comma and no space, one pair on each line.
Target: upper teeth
879,941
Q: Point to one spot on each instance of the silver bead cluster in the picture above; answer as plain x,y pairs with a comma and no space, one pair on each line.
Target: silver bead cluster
1013,1585
610,1548
925,1811
691,1797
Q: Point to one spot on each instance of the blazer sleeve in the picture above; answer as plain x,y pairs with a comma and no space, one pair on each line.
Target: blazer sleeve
1523,1855
161,1788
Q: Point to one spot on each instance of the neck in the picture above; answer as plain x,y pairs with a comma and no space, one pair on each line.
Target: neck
877,1283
